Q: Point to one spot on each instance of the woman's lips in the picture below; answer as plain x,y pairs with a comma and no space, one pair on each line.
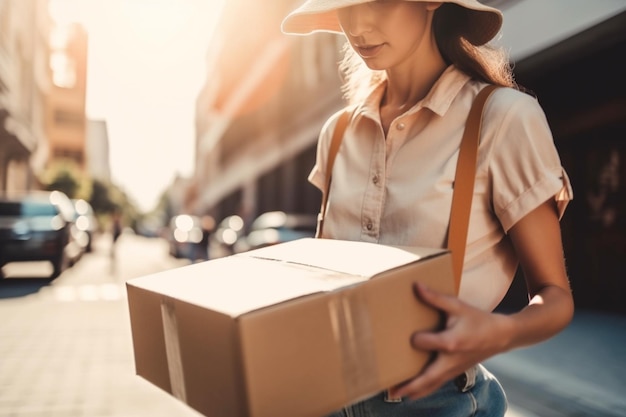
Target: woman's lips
368,51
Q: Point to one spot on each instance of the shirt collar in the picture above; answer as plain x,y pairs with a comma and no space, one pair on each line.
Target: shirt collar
438,99
445,90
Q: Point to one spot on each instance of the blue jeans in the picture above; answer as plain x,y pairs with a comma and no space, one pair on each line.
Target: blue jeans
481,396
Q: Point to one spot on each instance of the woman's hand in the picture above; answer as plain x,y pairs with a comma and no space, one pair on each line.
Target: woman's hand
470,336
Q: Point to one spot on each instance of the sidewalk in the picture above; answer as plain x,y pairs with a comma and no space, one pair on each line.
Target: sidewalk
66,351
580,372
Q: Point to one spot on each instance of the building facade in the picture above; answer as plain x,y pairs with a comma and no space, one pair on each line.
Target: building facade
43,73
97,150
571,60
24,86
65,121
266,98
260,112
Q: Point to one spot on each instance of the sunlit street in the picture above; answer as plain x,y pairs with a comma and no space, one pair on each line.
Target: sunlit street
143,136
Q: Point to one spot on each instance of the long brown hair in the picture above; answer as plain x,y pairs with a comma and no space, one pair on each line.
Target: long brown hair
486,63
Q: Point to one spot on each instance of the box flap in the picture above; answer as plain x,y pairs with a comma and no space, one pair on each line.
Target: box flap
237,285
242,283
355,258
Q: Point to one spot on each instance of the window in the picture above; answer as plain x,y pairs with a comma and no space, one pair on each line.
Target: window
76,156
62,65
63,117
63,70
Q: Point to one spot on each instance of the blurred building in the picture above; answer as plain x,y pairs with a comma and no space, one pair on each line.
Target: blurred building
267,96
66,123
25,82
43,71
260,111
577,69
97,150
570,55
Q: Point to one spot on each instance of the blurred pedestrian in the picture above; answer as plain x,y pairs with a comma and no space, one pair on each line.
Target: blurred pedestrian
116,232
413,69
116,225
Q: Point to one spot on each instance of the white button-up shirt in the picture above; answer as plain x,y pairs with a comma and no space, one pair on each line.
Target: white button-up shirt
398,190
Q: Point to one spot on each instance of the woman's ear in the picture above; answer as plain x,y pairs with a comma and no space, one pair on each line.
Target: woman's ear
431,6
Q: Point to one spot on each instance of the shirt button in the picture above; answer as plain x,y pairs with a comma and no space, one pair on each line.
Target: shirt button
400,126
369,226
375,179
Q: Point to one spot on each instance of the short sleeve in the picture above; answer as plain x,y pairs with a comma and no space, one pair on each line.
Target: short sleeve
317,177
525,168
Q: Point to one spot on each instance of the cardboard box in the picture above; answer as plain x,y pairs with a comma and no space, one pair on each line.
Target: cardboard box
297,329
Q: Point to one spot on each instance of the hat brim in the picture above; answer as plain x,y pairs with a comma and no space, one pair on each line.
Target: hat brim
321,16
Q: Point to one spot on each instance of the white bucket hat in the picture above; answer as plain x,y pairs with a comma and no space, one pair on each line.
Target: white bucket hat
484,22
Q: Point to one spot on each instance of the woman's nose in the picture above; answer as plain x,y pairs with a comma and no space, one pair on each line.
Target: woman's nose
357,19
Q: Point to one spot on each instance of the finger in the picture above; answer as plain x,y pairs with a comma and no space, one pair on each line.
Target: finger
447,303
427,341
413,393
422,385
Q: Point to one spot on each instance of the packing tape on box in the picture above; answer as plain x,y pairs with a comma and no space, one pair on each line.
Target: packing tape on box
353,332
172,350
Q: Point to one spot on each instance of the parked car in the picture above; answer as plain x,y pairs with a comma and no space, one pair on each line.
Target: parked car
38,226
275,227
184,235
86,223
223,238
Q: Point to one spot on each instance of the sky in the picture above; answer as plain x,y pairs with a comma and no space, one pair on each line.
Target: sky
146,65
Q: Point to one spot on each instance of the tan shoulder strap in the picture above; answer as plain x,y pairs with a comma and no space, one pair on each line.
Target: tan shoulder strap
335,143
464,184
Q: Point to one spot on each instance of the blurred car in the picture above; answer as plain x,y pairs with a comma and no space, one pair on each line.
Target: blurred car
38,226
184,235
275,227
86,223
227,232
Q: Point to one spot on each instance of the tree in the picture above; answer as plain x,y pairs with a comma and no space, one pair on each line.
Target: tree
101,199
65,175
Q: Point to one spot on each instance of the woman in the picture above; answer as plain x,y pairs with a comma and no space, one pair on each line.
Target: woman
413,69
